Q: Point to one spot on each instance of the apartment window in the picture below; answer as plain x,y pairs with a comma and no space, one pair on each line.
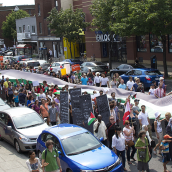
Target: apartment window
56,2
33,29
40,27
23,28
28,28
39,10
49,31
156,45
20,30
141,43
29,11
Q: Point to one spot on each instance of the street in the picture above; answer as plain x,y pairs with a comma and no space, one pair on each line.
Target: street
11,161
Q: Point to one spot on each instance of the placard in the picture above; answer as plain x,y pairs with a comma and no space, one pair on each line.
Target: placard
64,107
86,109
76,67
35,83
67,67
76,109
103,107
1,58
63,72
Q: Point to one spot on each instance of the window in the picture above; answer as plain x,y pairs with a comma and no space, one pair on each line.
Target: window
56,5
156,44
28,28
49,31
141,43
126,67
39,10
3,118
23,28
29,11
130,72
20,30
170,43
120,66
137,72
33,29
40,27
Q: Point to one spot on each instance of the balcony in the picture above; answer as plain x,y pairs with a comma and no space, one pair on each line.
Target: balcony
23,36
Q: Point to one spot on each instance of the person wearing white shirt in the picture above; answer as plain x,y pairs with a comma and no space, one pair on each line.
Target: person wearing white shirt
97,79
100,130
104,81
144,119
130,84
118,145
152,90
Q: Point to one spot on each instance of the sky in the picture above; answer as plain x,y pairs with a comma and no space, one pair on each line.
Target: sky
16,2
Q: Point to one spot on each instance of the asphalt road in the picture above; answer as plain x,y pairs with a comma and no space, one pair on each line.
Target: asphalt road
11,161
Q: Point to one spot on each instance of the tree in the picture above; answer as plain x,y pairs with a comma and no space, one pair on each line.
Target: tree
9,26
137,17
102,10
68,24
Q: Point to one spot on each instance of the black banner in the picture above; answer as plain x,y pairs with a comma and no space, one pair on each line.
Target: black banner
76,110
86,109
64,107
103,107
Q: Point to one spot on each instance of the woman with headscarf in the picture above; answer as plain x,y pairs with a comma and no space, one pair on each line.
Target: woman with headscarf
169,132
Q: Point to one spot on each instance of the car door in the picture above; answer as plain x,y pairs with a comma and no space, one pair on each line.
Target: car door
126,76
137,73
126,68
2,124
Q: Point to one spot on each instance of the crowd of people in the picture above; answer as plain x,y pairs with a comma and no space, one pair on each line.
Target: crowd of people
136,133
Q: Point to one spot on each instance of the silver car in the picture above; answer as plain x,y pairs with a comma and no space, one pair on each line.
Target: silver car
21,127
3,105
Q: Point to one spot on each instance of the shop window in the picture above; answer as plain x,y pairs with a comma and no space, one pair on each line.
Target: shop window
20,30
156,45
170,43
141,43
33,29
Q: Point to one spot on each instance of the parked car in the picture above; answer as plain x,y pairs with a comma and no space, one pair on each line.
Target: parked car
79,150
7,58
146,76
45,66
33,63
94,69
123,68
17,59
73,61
99,64
3,105
42,62
21,126
58,65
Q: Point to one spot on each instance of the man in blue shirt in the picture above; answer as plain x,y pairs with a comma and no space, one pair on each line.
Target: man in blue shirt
84,80
136,84
122,85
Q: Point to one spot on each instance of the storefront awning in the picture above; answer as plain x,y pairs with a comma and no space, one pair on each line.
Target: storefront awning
23,46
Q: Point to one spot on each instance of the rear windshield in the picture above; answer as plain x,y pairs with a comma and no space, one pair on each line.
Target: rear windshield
33,64
99,63
75,60
155,72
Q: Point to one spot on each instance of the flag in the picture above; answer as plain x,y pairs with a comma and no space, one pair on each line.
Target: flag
127,112
133,96
91,118
54,91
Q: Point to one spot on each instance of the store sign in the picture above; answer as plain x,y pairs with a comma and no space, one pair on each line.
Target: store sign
106,38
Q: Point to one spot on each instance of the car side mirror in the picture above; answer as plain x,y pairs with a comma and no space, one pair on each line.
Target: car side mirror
59,153
9,127
101,139
45,119
117,68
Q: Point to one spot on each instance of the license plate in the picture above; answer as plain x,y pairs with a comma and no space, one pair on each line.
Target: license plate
156,78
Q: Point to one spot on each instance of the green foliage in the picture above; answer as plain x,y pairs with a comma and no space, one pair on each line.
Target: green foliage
9,26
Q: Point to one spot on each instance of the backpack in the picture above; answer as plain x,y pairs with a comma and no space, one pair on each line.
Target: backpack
46,153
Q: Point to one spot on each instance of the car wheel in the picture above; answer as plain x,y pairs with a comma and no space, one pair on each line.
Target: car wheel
1,139
40,156
17,146
69,170
111,75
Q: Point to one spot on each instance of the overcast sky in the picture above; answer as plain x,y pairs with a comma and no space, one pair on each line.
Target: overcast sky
16,2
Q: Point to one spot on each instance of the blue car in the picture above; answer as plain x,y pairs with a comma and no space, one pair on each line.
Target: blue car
73,61
79,150
146,76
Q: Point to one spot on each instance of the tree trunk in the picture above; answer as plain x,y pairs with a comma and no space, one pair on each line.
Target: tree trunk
110,50
163,37
71,50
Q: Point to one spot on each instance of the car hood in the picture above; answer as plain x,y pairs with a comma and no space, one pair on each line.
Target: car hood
33,132
96,159
4,107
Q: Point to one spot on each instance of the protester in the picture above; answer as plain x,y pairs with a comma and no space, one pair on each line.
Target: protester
30,102
22,97
130,84
140,88
114,83
51,157
36,106
10,93
159,92
16,98
143,154
40,96
100,130
77,77
116,112
118,145
167,118
53,114
84,80
136,84
158,130
97,79
104,82
90,74
44,110
152,90
144,119
128,132
136,108
122,85
90,82
33,163
161,80
113,97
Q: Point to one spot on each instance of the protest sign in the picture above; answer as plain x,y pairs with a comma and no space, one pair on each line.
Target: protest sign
64,107
76,67
35,83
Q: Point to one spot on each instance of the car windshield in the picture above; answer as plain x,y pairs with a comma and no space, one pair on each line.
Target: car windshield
97,68
80,143
99,63
2,102
33,64
75,60
27,120
155,72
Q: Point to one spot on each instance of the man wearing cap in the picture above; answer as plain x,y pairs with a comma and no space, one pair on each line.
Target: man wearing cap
84,80
97,79
159,92
161,80
144,120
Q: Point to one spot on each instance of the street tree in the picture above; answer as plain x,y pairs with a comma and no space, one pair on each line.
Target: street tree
137,17
67,24
9,26
103,19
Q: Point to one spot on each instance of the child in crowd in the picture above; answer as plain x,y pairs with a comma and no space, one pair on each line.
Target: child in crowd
152,90
16,98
